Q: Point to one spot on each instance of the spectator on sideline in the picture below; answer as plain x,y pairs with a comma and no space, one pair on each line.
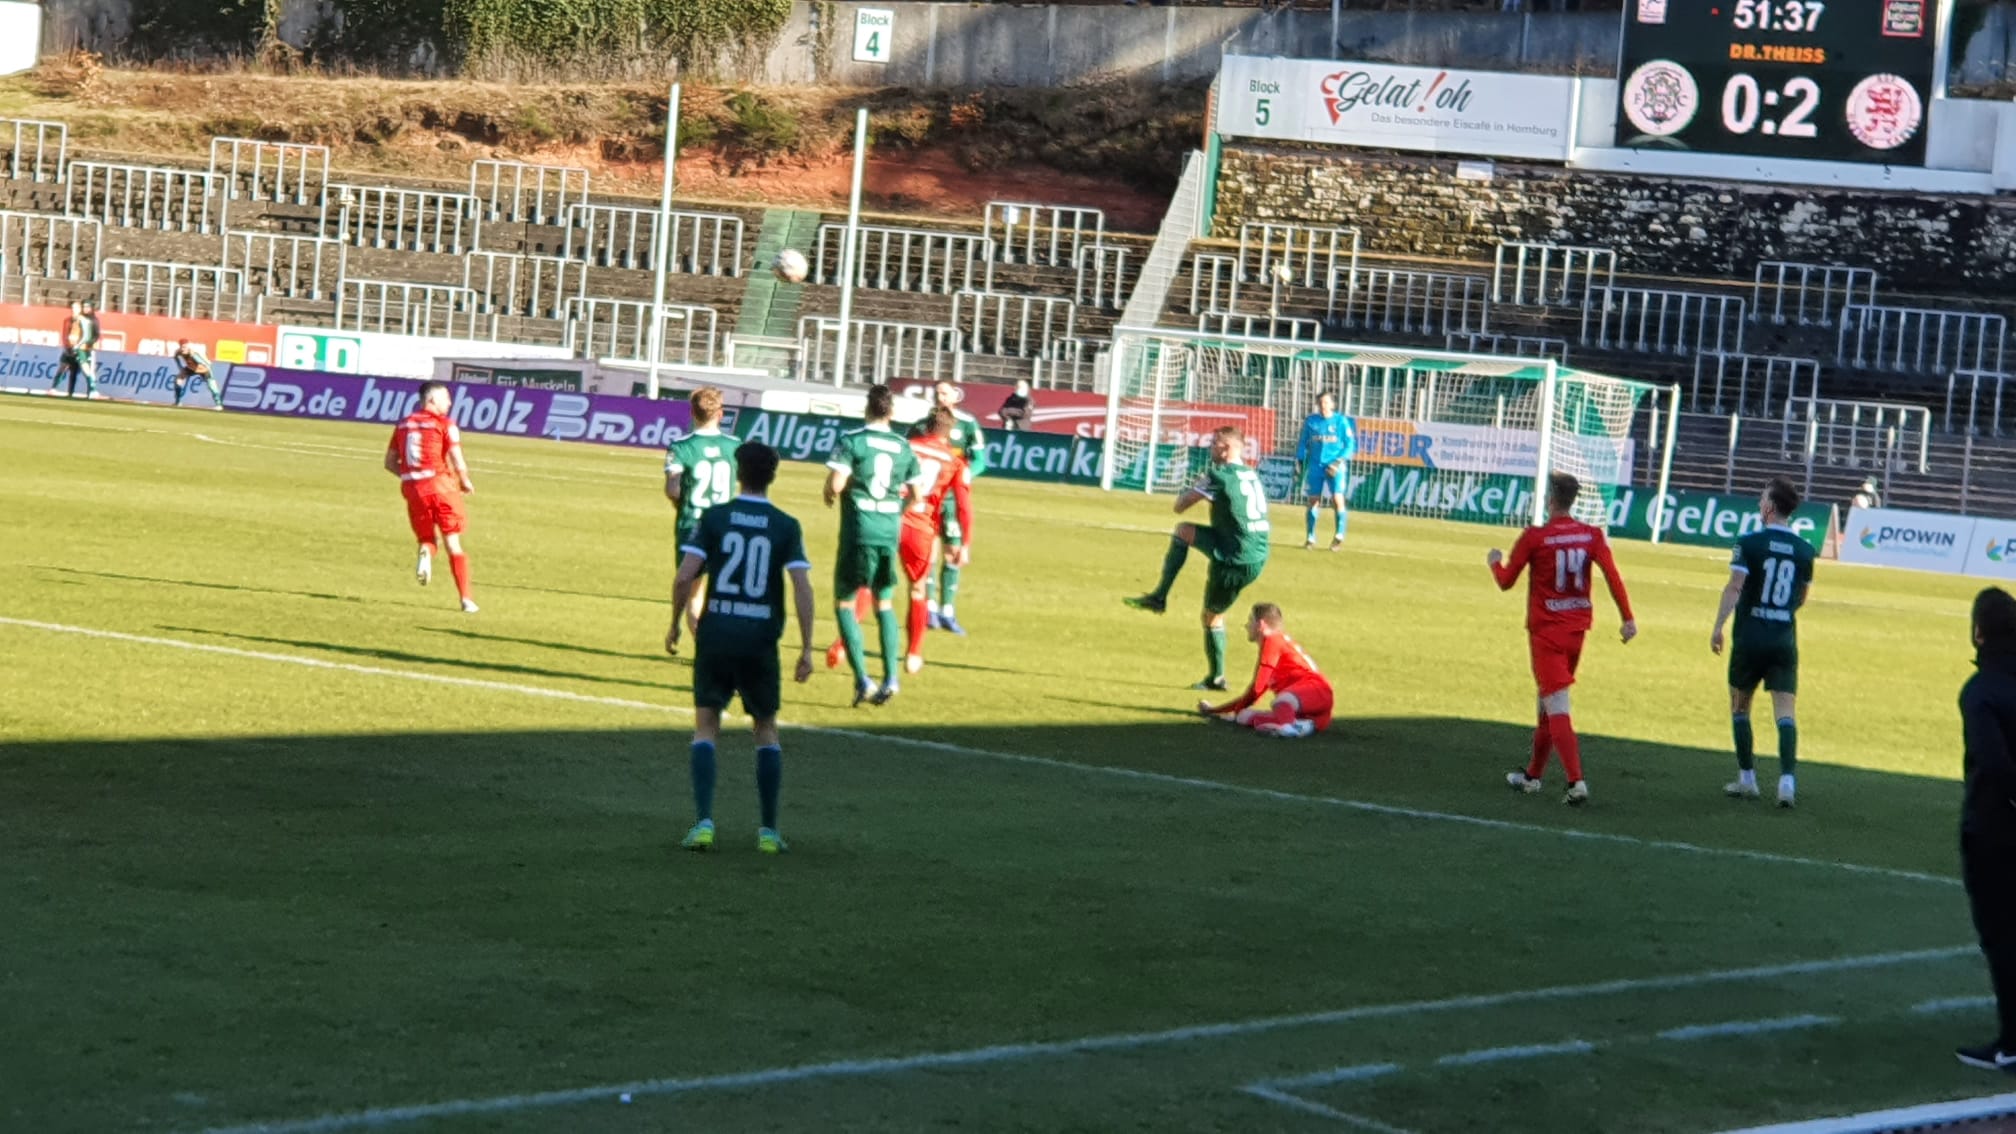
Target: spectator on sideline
1015,410
1988,814
1870,496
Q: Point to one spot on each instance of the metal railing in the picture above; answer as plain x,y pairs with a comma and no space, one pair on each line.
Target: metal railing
1102,277
1865,435
1662,321
1214,283
1808,295
1021,326
1499,342
51,247
1402,301
1919,340
528,287
888,258
1770,378
405,220
179,291
399,307
296,267
285,173
1290,327
1308,256
1976,385
158,197
619,236
38,151
516,192
620,329
881,348
1549,275
1052,235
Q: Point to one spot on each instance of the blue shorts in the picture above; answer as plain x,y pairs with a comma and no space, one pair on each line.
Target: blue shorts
1319,485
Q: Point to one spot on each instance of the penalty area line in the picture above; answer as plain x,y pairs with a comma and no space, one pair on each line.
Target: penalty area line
1140,775
1902,1118
999,1054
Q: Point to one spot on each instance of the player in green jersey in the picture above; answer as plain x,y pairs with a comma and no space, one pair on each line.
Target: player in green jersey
700,473
1235,543
971,444
745,547
1769,576
869,474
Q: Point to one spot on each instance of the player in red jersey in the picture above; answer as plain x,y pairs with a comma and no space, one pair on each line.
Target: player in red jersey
1558,614
426,456
1302,695
943,475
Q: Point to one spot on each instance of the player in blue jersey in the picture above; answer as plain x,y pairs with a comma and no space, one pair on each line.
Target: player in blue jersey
1329,441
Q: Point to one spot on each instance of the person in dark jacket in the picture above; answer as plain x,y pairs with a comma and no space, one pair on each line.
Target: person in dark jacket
1017,407
1988,814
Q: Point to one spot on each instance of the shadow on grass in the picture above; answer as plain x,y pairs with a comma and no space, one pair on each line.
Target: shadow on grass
199,584
376,654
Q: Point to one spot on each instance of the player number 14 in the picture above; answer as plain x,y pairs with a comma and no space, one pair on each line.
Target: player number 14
1571,566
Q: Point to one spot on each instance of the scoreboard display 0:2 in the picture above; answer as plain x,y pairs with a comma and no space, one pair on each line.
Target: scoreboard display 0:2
1828,80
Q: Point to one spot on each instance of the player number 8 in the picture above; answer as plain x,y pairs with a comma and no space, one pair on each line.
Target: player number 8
884,472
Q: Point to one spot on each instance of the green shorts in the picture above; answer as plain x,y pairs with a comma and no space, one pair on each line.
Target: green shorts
858,566
719,676
1773,662
1226,576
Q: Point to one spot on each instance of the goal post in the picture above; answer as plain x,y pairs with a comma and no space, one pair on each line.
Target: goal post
1440,433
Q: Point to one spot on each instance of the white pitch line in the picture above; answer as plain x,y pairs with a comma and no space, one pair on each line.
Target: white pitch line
1016,1053
1523,1051
1903,1118
1952,1004
1306,1106
1748,1027
1355,1074
1137,774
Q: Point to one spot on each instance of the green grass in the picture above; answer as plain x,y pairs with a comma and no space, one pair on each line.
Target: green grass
238,889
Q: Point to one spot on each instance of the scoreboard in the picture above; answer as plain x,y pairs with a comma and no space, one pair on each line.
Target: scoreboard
1829,80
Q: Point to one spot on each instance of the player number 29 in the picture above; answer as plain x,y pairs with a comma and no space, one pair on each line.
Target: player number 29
1779,575
710,482
747,572
1571,566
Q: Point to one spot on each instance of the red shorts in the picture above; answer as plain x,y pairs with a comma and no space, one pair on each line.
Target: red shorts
1314,701
915,551
428,511
1555,656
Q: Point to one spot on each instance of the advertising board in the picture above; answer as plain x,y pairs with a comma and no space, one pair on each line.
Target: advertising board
1893,537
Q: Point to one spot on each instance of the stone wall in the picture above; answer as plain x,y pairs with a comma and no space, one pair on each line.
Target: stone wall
1417,206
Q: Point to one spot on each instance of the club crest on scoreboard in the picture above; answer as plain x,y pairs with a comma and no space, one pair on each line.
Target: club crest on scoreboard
1884,111
1660,98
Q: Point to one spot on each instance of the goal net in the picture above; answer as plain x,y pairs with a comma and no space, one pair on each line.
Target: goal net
1444,435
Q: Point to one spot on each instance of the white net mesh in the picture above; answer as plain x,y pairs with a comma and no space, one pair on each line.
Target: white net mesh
1440,435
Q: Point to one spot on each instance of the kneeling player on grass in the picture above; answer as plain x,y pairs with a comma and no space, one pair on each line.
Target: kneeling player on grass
1768,580
1558,615
1235,542
426,456
191,364
744,547
1302,695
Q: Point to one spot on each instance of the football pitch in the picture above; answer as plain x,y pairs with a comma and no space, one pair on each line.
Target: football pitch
291,844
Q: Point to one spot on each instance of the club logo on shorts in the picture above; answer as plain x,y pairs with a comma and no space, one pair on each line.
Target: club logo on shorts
1660,98
1884,111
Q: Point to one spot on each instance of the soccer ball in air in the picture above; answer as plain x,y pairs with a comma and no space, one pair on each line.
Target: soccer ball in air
790,266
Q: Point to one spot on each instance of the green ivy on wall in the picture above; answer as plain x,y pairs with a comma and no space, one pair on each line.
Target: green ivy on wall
561,32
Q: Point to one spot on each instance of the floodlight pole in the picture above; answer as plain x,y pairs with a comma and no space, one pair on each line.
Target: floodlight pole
661,246
847,247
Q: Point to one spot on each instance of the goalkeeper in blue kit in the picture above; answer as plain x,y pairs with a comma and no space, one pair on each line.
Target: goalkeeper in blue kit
1329,441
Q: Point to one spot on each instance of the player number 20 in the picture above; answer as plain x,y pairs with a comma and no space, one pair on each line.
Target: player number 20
1779,576
747,572
1571,566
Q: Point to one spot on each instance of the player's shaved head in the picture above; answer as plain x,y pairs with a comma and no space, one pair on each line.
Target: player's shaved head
881,402
432,392
1562,490
756,466
706,403
1783,496
1267,612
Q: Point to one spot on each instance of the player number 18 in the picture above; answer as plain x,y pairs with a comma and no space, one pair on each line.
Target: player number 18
1779,575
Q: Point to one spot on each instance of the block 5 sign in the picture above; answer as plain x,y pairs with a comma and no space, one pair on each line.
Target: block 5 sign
1405,108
